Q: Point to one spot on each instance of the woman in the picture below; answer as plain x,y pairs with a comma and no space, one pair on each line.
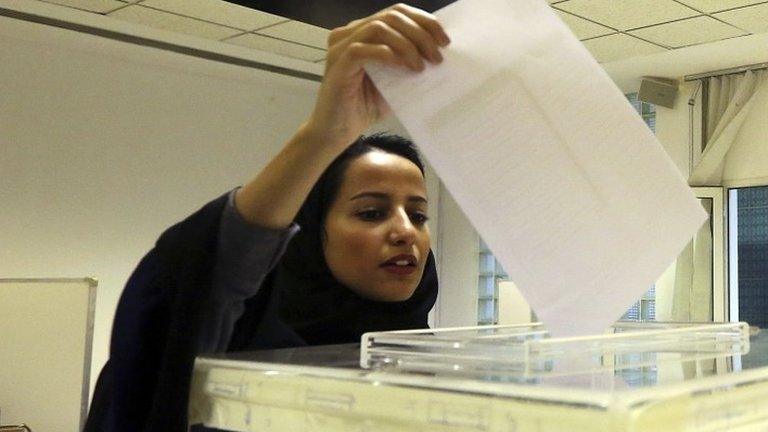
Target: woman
327,242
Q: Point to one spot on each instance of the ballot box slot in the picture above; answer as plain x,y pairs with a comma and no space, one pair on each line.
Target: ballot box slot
526,351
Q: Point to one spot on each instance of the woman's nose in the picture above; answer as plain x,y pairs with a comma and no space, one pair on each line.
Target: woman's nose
402,232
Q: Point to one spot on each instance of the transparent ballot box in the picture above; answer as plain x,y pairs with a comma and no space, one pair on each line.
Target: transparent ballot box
637,377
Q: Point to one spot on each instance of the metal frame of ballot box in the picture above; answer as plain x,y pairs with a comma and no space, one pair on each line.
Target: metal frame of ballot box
641,377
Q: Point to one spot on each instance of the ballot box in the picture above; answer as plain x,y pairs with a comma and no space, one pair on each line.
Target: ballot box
637,377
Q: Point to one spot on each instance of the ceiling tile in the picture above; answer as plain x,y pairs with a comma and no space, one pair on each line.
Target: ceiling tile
582,28
288,49
688,32
168,21
619,46
98,6
626,14
219,12
718,5
299,32
753,18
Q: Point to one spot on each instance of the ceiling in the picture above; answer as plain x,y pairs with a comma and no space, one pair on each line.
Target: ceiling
332,13
612,30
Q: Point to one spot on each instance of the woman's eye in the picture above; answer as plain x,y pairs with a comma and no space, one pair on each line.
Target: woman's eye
419,218
370,215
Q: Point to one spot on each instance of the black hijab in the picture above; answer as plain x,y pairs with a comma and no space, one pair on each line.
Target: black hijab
306,297
146,383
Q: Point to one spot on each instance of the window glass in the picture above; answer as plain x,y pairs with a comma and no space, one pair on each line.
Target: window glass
752,226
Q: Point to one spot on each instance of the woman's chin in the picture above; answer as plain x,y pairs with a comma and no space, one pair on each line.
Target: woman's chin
397,293
389,292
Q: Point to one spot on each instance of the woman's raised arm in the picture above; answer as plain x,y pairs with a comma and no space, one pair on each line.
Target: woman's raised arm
347,104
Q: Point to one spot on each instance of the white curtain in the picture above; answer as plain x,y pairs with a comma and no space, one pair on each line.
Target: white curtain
684,291
730,99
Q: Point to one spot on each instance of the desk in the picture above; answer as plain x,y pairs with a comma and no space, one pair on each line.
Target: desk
324,389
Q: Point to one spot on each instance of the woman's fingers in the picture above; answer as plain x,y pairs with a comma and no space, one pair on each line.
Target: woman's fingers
348,102
359,53
412,33
379,32
418,35
426,20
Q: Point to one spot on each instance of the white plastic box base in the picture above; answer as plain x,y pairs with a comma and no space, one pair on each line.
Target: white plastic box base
324,389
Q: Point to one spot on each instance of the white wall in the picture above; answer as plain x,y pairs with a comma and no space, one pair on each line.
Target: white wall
459,252
513,308
103,145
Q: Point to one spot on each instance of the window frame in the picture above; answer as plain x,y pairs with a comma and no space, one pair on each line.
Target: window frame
720,302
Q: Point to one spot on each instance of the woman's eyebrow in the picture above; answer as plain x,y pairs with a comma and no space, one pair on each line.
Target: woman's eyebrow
377,195
384,196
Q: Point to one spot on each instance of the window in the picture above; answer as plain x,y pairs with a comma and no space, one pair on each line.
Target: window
749,254
489,275
644,309
647,111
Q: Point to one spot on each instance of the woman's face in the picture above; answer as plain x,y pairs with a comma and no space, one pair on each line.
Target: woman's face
377,240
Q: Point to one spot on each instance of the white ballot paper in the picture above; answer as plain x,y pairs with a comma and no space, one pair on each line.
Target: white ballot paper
559,175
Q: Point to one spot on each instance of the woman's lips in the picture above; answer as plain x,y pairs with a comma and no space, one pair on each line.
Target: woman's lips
399,270
403,264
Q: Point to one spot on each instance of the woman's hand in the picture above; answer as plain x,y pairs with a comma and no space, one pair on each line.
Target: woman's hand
400,36
348,103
